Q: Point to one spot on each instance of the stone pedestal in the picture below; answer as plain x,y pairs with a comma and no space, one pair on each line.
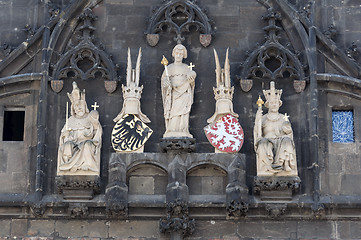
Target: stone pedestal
178,145
272,188
77,187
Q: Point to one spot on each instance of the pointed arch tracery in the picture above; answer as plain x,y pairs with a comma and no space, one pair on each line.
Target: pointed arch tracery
85,61
178,17
272,60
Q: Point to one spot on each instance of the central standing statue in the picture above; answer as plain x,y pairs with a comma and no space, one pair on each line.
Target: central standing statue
177,93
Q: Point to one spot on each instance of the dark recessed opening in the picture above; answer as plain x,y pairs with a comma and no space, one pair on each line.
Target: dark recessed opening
14,125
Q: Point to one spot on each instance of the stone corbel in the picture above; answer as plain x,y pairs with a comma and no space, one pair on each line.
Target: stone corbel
78,187
78,210
276,187
276,210
38,209
177,222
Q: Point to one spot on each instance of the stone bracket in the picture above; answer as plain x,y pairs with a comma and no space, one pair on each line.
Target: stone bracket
78,187
276,188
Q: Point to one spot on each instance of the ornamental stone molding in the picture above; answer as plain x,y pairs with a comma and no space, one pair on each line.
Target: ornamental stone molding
179,17
272,60
85,61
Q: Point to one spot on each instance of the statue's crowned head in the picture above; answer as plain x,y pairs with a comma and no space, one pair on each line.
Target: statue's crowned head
272,95
78,103
180,47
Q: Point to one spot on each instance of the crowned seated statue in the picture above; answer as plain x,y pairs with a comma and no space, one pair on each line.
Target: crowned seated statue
80,139
273,138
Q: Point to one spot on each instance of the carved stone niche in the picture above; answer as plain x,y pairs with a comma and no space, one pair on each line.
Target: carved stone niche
77,187
272,188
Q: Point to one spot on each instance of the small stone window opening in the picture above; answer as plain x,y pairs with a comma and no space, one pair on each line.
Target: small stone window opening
343,126
14,119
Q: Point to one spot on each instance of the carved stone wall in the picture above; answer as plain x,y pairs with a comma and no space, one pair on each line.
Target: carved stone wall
156,194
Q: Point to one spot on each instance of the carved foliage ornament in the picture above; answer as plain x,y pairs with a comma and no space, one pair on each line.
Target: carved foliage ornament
178,17
177,219
272,60
85,61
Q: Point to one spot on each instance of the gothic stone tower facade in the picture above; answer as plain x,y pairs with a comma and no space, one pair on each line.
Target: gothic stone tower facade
180,188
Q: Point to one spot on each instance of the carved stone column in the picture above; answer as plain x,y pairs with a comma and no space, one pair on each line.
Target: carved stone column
236,190
116,193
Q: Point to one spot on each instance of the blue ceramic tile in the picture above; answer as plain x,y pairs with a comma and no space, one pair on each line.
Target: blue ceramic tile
342,126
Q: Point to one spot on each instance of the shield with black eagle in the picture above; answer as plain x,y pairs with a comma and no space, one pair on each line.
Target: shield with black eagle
129,134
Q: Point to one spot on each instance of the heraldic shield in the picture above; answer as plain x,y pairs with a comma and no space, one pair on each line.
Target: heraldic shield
225,134
130,134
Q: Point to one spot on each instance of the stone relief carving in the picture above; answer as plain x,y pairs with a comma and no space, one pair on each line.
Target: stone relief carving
80,139
276,210
177,84
178,17
78,210
273,138
85,60
177,221
272,60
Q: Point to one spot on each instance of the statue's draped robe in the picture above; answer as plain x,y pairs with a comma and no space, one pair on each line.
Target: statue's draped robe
276,149
79,151
177,100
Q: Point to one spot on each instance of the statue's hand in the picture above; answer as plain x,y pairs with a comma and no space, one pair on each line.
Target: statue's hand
191,77
286,127
259,114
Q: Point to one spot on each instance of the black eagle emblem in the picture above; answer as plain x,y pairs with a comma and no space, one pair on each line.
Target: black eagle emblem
130,134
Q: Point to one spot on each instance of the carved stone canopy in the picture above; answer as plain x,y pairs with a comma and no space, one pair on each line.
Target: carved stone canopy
177,17
85,61
272,60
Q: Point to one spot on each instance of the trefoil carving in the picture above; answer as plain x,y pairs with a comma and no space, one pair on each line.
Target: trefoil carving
272,60
85,61
179,17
